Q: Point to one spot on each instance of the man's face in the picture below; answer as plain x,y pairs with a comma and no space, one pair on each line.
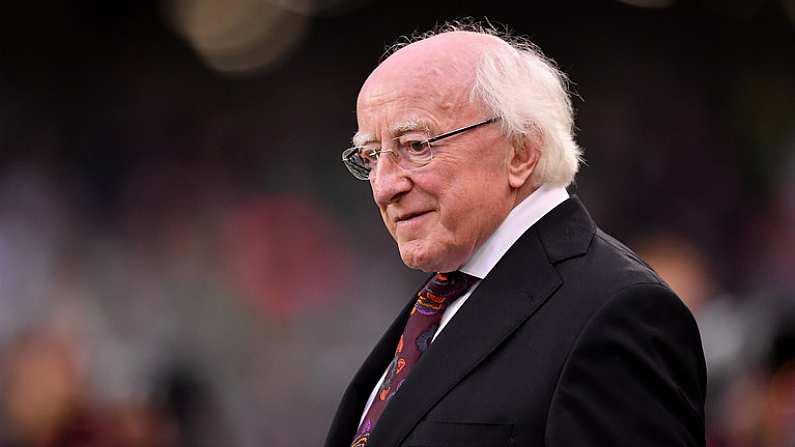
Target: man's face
440,213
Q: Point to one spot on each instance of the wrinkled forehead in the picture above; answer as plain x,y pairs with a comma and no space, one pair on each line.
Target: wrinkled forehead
436,73
389,108
435,84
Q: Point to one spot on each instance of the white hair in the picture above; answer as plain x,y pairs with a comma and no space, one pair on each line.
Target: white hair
528,93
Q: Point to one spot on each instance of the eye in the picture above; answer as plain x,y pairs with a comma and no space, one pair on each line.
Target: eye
415,148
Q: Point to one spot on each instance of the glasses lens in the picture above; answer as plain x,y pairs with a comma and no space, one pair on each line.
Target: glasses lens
358,166
415,153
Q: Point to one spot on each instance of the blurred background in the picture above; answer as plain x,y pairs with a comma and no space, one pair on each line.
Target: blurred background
184,261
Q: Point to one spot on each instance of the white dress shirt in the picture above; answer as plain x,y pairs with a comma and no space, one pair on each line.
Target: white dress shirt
519,220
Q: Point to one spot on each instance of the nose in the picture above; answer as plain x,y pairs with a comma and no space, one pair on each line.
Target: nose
389,181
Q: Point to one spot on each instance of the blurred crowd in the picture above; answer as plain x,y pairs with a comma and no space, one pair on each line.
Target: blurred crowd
185,262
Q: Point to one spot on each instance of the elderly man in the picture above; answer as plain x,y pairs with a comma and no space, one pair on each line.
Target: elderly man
536,328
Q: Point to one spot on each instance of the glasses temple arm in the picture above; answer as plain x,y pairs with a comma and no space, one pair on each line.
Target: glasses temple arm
458,131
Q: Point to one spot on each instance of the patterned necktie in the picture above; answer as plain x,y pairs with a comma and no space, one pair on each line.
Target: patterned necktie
441,290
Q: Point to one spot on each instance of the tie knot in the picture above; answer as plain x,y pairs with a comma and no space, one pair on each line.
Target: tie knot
443,289
450,284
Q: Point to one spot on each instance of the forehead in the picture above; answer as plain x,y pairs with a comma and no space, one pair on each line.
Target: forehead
386,113
424,81
395,100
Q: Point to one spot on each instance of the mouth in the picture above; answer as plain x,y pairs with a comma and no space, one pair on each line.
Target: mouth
410,216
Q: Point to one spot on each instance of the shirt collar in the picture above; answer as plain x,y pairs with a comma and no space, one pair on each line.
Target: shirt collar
520,219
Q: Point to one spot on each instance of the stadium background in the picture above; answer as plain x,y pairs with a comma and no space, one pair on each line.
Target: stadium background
185,261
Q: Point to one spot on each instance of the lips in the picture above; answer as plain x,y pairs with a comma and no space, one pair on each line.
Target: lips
407,216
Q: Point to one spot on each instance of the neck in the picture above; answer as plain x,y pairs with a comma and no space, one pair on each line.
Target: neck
522,193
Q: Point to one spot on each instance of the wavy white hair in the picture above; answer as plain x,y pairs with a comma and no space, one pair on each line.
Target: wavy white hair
528,93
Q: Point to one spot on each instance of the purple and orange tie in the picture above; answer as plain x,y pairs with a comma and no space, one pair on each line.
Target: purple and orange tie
433,299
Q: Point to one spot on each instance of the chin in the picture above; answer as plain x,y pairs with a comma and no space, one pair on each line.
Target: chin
419,256
416,256
413,261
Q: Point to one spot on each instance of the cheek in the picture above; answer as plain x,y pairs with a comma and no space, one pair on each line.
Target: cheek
459,211
481,197
459,205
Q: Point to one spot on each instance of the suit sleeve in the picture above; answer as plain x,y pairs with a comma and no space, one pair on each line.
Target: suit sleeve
634,377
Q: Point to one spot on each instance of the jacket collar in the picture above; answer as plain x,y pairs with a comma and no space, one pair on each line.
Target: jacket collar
523,216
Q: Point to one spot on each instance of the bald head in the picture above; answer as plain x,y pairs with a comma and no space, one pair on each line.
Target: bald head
443,65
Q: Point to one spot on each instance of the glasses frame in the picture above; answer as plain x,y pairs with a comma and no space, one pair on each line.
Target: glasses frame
362,173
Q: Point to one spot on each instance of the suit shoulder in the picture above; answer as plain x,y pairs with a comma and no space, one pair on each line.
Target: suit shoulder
619,248
617,266
605,271
626,327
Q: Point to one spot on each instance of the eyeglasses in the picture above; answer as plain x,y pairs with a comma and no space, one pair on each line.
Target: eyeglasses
409,154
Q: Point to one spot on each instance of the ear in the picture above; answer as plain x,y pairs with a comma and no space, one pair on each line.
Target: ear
523,160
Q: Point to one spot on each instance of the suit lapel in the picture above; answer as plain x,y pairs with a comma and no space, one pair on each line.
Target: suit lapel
513,291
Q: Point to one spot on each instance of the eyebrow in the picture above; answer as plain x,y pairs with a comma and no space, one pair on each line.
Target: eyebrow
405,127
363,138
396,130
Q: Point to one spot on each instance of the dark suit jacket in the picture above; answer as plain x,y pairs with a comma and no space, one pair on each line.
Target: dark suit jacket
571,340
